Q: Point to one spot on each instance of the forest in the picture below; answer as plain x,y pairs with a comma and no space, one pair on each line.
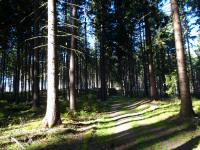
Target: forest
99,74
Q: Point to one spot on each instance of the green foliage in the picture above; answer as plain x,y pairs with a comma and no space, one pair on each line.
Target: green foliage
171,82
88,108
198,42
11,114
89,103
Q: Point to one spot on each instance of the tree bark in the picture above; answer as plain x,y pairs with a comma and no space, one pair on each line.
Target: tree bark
96,61
186,102
102,68
3,71
145,72
36,78
153,88
86,57
52,116
72,82
191,65
16,81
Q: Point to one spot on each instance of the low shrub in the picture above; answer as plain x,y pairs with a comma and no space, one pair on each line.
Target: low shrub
89,103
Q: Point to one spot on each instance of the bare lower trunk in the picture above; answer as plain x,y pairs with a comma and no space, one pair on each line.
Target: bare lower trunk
191,65
36,63
86,58
97,72
103,68
144,55
72,82
52,116
3,73
153,88
186,102
17,74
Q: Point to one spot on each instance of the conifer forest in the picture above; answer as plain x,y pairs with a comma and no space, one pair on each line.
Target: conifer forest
100,74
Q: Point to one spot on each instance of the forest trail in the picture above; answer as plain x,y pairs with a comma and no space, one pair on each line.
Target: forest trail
128,124
123,119
84,74
147,125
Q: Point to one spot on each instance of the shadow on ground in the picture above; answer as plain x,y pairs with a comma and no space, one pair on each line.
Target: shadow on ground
166,132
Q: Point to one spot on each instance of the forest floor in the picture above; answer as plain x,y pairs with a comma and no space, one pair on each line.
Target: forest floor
126,123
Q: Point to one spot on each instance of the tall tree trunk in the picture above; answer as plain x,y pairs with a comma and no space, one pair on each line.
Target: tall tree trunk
102,67
153,88
52,116
190,62
36,62
29,73
96,63
86,57
42,73
17,69
26,70
145,73
72,82
3,71
186,102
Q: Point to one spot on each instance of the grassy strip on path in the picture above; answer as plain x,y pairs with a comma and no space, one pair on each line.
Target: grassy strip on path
124,124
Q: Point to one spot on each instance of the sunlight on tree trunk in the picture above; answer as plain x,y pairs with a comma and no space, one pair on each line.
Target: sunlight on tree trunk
52,116
186,102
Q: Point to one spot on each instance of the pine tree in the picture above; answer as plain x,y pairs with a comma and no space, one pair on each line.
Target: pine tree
52,116
72,82
186,102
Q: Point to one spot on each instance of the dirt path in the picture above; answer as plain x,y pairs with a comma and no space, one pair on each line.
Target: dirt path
146,125
130,124
122,115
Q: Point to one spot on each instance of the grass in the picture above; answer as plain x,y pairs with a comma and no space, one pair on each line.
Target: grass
124,123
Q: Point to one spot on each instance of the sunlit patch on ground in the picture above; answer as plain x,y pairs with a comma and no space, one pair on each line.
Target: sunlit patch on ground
141,124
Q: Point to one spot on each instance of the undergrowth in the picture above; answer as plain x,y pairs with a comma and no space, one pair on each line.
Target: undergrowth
91,126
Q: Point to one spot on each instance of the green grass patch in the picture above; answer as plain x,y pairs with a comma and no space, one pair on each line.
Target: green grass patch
120,122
